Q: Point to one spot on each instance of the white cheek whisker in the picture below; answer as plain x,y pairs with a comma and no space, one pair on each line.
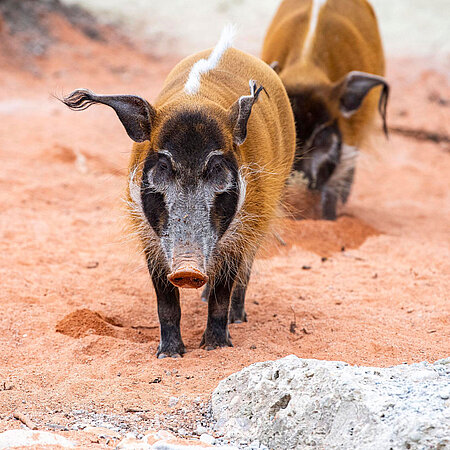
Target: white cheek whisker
242,185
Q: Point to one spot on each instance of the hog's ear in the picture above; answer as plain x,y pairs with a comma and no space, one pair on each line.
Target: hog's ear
275,66
352,90
135,113
240,111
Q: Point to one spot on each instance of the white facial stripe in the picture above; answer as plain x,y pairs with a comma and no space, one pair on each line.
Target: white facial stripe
313,21
166,153
203,66
213,153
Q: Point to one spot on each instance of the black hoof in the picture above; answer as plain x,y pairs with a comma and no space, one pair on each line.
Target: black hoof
211,342
173,355
237,317
171,351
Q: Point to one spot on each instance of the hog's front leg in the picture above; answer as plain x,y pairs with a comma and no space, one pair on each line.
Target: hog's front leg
237,309
216,333
169,312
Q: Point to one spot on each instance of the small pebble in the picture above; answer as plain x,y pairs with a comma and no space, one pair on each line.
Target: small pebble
173,401
201,429
207,439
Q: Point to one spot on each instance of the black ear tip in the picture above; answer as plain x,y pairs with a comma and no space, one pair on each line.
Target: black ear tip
79,99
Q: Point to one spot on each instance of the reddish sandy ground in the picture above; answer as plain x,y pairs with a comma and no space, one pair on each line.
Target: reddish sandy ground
66,266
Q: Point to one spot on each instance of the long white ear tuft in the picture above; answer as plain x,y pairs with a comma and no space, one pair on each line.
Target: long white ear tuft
203,66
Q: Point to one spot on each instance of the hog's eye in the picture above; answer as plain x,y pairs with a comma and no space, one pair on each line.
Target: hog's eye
218,174
163,166
215,167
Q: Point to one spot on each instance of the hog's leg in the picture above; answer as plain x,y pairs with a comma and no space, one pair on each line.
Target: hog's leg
205,293
347,185
237,308
216,333
169,312
329,200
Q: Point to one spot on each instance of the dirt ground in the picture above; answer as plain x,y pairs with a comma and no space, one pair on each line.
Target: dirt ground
78,322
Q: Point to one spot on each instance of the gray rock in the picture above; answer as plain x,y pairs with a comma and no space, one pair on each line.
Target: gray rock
295,403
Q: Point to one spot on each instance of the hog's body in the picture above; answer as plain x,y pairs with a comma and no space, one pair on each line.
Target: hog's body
329,55
210,162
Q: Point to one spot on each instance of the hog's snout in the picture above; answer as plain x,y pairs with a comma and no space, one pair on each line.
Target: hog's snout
188,276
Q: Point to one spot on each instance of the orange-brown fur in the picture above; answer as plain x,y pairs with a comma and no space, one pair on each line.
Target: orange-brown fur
346,39
266,156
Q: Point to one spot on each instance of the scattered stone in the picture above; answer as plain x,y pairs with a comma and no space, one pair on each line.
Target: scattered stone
445,393
131,443
173,401
201,429
55,426
299,403
92,265
32,439
156,380
102,432
163,435
207,439
6,386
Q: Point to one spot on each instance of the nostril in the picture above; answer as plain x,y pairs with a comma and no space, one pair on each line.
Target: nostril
188,277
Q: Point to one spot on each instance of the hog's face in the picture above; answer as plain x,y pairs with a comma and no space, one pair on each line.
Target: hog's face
191,190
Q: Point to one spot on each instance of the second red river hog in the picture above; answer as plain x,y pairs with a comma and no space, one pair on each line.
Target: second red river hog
210,161
329,55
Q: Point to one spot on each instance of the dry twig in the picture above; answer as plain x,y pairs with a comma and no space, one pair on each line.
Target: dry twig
25,420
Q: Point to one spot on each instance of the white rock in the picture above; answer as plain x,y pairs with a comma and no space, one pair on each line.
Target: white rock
282,405
31,438
163,435
201,429
207,439
173,401
131,443
166,446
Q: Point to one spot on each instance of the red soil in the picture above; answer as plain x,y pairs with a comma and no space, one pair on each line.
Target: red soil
78,322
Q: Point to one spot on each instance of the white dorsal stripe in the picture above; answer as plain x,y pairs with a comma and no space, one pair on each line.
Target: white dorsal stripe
313,21
203,66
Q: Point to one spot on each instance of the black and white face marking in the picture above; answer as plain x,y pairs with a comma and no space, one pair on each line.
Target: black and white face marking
190,188
319,140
